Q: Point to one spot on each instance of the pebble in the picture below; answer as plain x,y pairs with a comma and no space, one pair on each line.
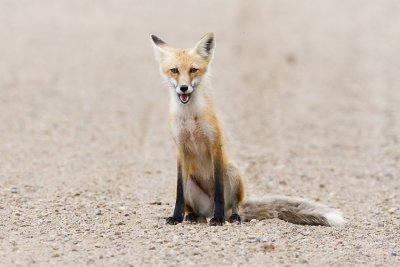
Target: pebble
99,212
305,233
171,254
381,224
303,260
392,210
14,190
268,247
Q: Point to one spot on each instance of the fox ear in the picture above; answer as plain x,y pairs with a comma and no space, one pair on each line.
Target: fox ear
205,47
160,48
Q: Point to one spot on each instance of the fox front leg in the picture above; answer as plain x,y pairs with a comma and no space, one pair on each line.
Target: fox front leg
177,217
219,203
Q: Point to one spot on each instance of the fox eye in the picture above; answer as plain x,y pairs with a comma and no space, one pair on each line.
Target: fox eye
174,70
193,70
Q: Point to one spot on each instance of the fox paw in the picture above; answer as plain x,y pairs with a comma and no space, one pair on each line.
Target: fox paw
235,218
173,220
217,221
192,218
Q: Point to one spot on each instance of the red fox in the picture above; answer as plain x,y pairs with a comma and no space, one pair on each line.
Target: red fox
208,182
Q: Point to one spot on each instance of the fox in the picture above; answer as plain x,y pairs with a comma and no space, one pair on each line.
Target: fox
208,183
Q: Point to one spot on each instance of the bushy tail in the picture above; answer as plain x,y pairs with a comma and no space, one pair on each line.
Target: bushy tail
294,210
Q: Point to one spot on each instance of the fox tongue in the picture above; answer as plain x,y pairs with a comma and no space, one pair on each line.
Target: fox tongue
184,97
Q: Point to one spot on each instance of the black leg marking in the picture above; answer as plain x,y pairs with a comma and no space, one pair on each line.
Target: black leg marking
235,218
219,211
177,217
192,218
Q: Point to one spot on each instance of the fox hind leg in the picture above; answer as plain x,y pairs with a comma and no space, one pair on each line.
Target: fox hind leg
235,217
237,192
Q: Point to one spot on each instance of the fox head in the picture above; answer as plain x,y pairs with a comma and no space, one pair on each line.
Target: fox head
184,68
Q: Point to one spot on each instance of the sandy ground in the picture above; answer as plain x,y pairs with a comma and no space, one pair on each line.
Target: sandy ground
309,90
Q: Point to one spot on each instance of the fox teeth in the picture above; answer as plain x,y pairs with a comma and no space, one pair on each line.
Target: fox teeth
184,98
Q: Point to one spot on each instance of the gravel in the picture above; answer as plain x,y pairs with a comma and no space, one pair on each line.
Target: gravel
309,92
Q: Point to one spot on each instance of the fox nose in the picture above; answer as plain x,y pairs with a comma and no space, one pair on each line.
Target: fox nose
184,88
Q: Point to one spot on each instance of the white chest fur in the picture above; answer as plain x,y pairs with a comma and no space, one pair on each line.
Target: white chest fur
192,134
194,138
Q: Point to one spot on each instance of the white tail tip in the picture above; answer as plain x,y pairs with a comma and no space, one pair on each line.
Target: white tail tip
335,219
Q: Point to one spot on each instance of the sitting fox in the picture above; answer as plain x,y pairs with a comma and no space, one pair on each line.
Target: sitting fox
208,182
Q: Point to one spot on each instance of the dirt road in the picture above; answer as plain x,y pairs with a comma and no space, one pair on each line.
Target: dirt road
310,92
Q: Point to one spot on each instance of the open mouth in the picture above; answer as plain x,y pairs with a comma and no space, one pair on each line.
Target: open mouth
184,98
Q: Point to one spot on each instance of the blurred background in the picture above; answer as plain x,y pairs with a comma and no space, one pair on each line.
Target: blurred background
309,91
81,92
